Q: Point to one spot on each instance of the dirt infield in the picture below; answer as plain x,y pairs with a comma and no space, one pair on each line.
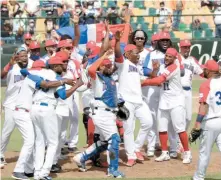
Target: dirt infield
149,169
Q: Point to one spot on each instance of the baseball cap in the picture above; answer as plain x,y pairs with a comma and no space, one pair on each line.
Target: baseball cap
64,43
129,47
94,52
55,60
34,45
38,64
90,44
63,55
164,35
172,51
27,36
106,62
20,49
185,42
155,37
50,42
211,65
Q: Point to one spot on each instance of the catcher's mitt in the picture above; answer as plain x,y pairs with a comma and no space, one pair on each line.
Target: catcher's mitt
123,113
194,135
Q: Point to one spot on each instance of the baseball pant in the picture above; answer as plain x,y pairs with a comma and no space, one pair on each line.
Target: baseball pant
46,130
188,107
8,127
74,127
211,133
152,101
25,126
142,113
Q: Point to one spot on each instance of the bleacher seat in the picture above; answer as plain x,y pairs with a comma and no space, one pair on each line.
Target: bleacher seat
197,34
152,11
182,27
208,33
204,26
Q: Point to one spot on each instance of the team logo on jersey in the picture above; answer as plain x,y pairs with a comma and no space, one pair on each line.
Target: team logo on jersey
132,69
18,78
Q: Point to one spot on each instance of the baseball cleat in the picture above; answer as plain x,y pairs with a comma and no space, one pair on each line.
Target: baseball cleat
173,155
139,156
62,157
187,157
19,176
56,168
46,178
115,174
131,162
80,163
29,175
163,157
150,153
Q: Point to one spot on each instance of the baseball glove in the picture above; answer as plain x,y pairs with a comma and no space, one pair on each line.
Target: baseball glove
194,135
123,113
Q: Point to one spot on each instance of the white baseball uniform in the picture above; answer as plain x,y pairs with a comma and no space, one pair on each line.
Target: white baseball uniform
45,123
191,67
152,96
210,93
130,90
14,81
23,121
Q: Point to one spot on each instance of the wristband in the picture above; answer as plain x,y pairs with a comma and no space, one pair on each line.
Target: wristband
7,67
199,118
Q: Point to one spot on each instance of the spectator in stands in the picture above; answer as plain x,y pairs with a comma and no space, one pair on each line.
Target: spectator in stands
177,6
125,13
64,16
79,12
14,8
50,8
6,32
50,25
163,14
217,21
112,14
32,8
19,25
91,13
4,12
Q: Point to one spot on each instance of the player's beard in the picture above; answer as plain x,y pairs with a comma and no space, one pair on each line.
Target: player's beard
22,66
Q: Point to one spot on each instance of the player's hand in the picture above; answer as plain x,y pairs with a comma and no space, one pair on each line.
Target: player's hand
70,82
156,65
118,35
13,60
79,82
54,34
75,19
108,53
197,125
106,23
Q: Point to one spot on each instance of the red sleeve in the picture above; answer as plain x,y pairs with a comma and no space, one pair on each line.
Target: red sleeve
169,70
204,91
180,61
154,82
7,67
93,68
120,59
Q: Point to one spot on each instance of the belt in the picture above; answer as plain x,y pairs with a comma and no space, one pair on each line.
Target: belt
186,88
106,109
41,103
18,109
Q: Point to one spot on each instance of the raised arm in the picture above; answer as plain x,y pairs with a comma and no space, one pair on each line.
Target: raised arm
93,68
76,30
5,70
105,43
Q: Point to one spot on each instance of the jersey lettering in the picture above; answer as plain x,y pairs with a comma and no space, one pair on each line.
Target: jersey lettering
166,86
132,69
18,78
218,93
189,67
161,60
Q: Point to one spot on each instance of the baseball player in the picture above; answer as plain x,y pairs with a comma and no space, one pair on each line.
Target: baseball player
34,47
14,81
45,121
50,47
22,118
171,111
103,105
153,93
209,116
132,94
74,72
191,67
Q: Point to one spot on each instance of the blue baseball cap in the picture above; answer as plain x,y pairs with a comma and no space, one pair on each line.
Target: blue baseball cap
20,49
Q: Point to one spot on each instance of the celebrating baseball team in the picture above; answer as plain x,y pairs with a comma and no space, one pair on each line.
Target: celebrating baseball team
120,82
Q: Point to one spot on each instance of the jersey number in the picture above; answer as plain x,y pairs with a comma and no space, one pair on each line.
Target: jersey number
218,93
166,86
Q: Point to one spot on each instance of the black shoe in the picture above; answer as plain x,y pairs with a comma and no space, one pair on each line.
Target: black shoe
74,150
56,168
29,175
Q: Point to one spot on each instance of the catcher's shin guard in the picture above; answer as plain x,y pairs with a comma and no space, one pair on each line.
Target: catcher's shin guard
90,132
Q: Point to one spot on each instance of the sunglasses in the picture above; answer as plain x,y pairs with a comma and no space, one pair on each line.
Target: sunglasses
68,48
140,38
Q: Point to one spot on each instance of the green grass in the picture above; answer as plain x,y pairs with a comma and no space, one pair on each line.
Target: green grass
16,141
